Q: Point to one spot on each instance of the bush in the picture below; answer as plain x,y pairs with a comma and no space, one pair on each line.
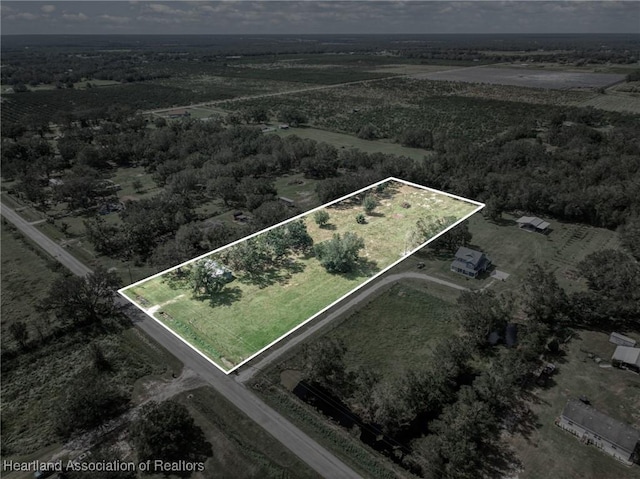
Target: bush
360,219
321,218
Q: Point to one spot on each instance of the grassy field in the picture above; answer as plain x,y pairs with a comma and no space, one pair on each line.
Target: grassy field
513,250
400,327
615,101
21,292
241,448
551,452
33,381
253,316
341,140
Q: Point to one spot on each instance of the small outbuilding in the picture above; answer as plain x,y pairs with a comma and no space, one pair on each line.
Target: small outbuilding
533,224
287,201
622,340
626,357
618,439
470,262
182,113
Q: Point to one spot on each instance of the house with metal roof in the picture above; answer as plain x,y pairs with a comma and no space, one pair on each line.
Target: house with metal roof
616,438
533,224
627,358
622,340
470,262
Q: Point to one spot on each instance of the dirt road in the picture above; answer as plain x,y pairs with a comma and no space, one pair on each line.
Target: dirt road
316,456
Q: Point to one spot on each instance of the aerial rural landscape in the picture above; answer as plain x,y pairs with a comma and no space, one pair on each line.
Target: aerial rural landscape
257,240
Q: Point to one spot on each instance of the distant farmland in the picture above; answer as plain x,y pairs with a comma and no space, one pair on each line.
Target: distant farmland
522,77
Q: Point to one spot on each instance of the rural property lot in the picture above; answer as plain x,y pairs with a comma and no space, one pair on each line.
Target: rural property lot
247,316
527,78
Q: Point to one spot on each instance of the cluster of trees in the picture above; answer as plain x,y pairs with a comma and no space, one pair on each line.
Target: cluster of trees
341,253
447,415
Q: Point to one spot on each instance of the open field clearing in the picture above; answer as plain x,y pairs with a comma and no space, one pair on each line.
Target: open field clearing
248,315
528,78
340,140
409,69
513,250
396,330
615,101
548,451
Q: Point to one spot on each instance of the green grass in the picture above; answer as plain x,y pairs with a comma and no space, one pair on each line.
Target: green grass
298,188
397,330
26,274
241,448
230,333
513,250
34,381
342,140
551,452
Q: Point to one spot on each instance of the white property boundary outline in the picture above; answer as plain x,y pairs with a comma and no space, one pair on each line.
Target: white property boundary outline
121,291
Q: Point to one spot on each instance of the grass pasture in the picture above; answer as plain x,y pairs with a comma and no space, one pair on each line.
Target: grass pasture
248,317
341,140
513,250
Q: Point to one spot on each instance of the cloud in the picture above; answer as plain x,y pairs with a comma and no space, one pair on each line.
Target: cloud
23,16
75,17
48,8
115,19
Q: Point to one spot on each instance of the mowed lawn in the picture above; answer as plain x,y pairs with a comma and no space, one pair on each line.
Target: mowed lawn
248,317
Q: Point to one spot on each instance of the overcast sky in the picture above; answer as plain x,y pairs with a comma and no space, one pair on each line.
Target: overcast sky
270,16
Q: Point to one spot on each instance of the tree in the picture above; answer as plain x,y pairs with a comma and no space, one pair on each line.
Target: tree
367,132
89,299
416,138
543,299
137,185
369,204
225,188
321,218
105,237
89,401
630,236
167,431
298,238
452,239
208,277
324,366
340,254
20,333
292,116
481,313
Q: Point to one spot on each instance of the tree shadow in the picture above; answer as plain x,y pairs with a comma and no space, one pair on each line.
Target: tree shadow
375,214
281,272
329,227
224,297
364,268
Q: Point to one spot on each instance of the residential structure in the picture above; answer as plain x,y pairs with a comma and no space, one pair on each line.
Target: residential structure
626,357
622,340
182,113
591,426
533,224
470,262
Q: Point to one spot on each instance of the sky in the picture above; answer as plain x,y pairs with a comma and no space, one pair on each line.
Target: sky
317,17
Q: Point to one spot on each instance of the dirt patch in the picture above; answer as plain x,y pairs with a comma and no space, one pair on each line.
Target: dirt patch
290,378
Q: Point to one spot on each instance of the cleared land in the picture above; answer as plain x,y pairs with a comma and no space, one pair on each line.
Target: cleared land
341,140
248,317
615,101
527,78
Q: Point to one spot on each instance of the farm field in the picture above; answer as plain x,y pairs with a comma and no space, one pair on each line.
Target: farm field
614,101
249,316
548,451
528,78
341,140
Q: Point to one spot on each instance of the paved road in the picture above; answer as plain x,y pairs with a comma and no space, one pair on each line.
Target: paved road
354,300
309,451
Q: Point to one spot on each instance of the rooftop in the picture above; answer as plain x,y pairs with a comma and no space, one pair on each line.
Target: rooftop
614,431
469,256
533,221
627,354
